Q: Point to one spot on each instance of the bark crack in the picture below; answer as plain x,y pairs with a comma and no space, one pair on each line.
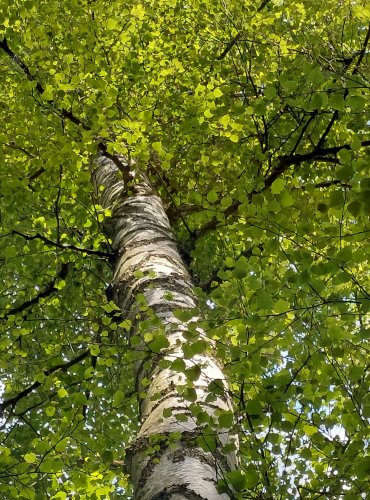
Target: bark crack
181,489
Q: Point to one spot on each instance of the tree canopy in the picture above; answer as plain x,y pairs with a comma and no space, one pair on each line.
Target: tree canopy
251,120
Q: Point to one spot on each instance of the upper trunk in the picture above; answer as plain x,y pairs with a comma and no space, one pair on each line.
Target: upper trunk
176,455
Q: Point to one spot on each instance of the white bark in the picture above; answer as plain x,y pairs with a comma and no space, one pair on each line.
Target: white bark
143,240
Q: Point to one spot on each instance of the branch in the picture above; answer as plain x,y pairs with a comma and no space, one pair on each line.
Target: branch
263,5
228,47
4,45
13,145
363,52
304,128
327,159
48,290
335,115
329,126
64,113
297,372
36,174
214,278
284,164
88,251
232,42
325,184
62,366
316,153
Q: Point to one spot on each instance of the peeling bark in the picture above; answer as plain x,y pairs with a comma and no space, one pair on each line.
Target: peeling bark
166,460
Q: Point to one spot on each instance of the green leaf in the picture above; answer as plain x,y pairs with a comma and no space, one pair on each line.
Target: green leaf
336,101
226,419
252,478
254,407
281,306
9,252
240,272
178,365
224,120
88,373
336,199
269,91
51,465
259,107
160,342
237,480
180,417
310,430
193,373
264,300
111,24
316,75
95,350
212,196
30,458
286,199
190,394
48,93
277,186
40,377
345,173
157,146
50,410
356,103
354,208
62,393
322,207
199,346
365,183
110,307
226,201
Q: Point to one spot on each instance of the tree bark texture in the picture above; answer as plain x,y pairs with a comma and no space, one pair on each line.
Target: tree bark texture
167,460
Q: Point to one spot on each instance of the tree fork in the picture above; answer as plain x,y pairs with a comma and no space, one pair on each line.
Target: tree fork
148,262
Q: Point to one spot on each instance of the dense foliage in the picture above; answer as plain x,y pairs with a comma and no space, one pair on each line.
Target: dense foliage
252,121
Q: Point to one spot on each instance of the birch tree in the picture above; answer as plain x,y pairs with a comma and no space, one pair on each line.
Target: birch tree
175,397
184,249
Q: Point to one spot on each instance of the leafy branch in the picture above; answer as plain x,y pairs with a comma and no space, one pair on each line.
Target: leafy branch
62,112
207,285
237,37
13,145
61,366
362,52
228,47
87,251
48,290
286,161
355,70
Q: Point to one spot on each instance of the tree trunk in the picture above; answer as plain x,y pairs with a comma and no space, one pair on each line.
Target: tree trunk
181,450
